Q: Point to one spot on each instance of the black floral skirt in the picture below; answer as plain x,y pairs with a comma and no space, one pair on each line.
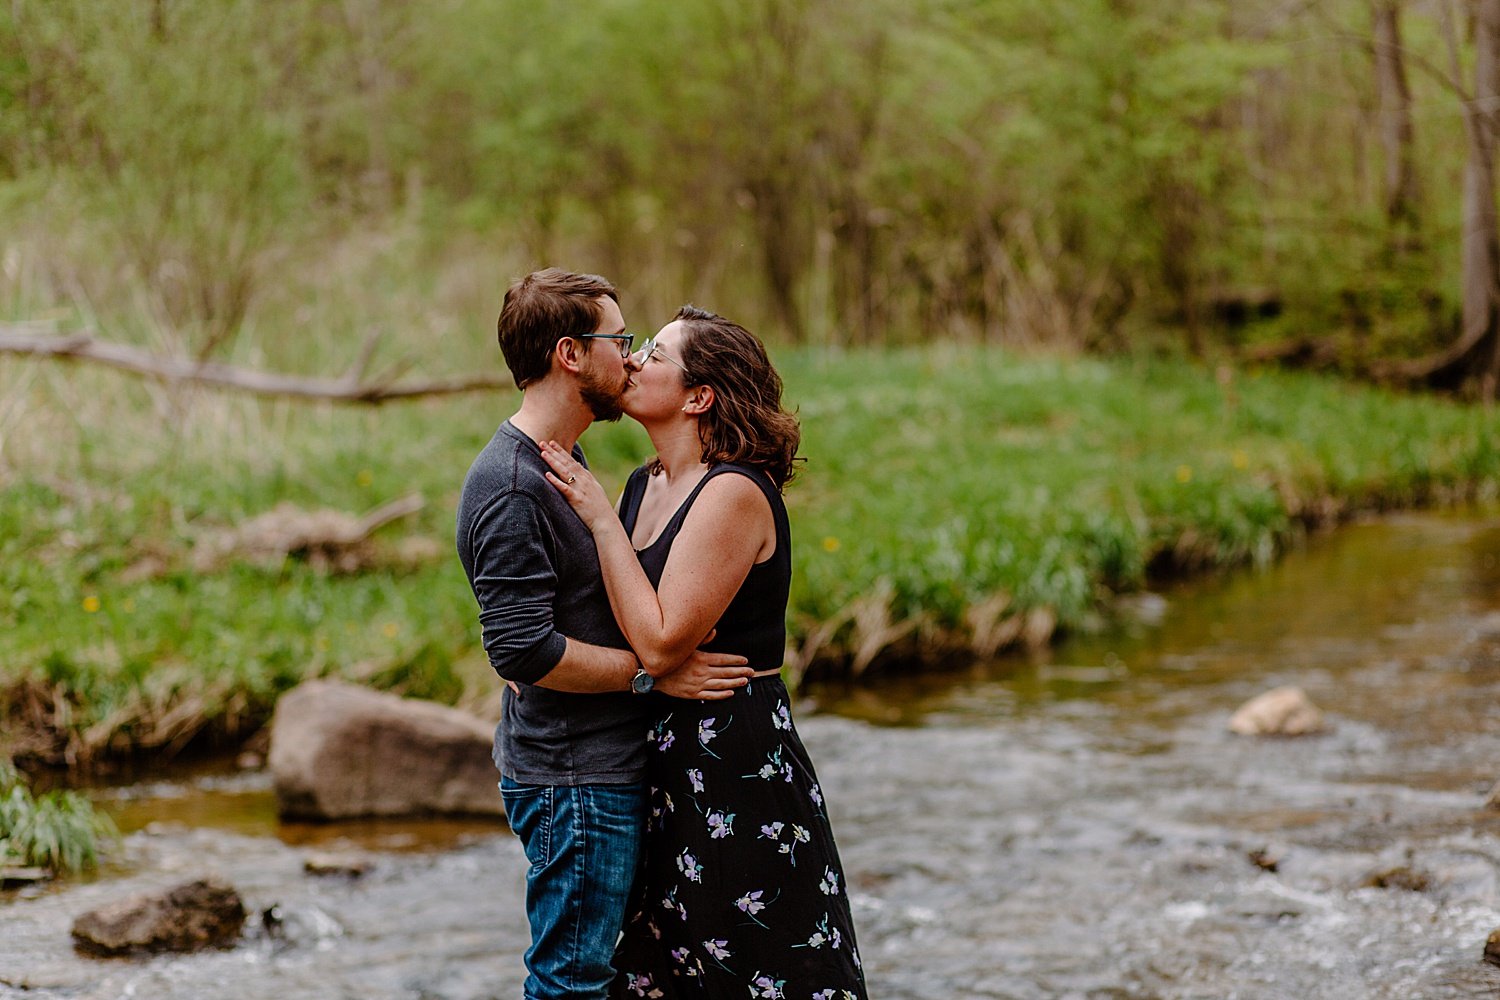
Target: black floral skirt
741,890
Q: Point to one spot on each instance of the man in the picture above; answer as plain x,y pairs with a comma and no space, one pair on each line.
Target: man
571,742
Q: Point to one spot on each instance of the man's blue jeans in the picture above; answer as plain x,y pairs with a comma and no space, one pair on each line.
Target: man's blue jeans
583,843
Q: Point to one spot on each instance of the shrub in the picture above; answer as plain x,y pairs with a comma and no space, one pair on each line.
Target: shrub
59,831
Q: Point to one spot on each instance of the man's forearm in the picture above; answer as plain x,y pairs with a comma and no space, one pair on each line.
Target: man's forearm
586,669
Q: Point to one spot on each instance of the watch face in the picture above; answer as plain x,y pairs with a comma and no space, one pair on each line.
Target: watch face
642,682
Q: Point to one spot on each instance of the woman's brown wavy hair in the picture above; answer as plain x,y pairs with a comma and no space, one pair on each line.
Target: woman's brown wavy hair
746,424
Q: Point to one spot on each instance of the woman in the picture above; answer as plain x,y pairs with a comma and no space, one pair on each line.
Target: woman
742,886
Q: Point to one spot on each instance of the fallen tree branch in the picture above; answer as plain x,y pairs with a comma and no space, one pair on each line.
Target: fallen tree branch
350,388
328,539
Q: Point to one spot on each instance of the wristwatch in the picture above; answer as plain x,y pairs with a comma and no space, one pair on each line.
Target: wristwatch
642,682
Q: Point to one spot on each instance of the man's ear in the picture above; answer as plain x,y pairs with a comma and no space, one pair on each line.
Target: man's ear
567,353
701,401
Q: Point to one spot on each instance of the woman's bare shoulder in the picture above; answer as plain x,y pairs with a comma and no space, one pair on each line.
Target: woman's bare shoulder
735,488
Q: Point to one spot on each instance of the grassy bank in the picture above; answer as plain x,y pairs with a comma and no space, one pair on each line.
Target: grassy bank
955,502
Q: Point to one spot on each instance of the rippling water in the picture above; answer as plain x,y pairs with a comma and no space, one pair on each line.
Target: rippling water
1079,826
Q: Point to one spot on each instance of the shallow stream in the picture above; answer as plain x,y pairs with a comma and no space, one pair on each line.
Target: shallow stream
1078,826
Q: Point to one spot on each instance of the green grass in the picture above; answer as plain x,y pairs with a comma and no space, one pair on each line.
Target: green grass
956,475
941,483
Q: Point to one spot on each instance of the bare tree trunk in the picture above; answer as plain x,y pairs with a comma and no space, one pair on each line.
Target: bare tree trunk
362,22
1180,211
1475,357
1481,246
857,281
781,257
774,169
1397,134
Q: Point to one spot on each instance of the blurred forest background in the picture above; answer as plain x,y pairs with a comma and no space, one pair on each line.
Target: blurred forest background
1048,248
1280,176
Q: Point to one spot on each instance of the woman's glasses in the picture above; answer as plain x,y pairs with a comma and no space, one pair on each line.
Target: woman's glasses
650,350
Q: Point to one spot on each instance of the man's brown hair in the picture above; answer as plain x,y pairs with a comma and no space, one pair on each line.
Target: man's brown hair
541,309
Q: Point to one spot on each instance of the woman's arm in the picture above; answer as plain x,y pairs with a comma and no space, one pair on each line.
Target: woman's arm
726,528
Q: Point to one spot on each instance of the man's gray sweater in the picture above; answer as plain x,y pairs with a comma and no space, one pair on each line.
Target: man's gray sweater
535,572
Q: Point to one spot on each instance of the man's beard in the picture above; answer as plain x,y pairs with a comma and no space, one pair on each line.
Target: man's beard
602,400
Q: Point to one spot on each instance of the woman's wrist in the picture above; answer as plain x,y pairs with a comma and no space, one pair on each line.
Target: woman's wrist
605,526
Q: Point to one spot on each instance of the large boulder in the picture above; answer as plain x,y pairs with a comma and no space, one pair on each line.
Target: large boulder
339,751
202,914
1283,711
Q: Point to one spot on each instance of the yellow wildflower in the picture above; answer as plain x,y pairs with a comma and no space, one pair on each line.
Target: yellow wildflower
1184,474
1240,459
830,544
91,603
390,629
365,477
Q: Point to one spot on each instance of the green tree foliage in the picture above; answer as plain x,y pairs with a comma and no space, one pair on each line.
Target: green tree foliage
166,124
894,170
